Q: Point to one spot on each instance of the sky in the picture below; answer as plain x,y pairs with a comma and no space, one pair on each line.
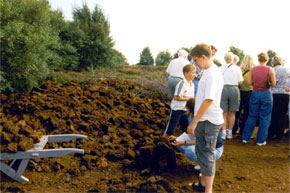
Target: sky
253,26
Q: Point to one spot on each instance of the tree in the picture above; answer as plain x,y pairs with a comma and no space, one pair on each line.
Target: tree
186,49
163,58
271,55
65,55
26,39
119,58
238,52
93,41
146,57
217,62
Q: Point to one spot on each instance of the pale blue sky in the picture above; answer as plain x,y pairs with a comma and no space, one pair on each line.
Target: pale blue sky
251,25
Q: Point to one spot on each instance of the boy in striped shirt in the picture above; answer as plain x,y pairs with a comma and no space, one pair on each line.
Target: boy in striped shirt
183,92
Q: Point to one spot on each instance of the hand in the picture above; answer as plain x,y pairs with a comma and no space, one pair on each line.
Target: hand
172,137
191,127
178,143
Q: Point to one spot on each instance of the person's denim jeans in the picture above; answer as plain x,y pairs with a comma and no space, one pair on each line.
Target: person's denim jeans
261,103
189,151
195,82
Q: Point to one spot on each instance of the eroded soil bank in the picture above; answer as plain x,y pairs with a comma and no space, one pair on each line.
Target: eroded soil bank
124,152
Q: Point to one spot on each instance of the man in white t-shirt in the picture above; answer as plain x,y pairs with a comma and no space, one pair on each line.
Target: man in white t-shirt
174,71
208,115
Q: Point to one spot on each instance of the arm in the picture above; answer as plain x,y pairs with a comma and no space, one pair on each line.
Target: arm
249,81
202,110
180,98
287,89
272,77
180,143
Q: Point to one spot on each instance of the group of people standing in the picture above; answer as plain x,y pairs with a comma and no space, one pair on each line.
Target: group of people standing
258,95
230,97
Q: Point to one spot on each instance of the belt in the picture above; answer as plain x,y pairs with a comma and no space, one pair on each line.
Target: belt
231,85
176,77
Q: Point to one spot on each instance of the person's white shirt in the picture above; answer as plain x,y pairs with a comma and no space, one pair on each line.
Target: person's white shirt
183,89
210,86
232,74
175,67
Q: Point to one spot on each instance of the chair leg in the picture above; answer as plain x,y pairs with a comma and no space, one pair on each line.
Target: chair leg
12,173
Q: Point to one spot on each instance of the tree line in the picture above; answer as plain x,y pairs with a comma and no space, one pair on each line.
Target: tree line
163,58
36,40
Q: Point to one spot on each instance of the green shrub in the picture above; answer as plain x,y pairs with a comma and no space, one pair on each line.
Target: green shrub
26,35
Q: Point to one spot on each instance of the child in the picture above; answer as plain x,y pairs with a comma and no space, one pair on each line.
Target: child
208,116
183,92
186,143
190,108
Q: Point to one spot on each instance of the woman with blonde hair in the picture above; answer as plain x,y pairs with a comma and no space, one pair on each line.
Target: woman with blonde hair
280,99
261,100
230,100
245,93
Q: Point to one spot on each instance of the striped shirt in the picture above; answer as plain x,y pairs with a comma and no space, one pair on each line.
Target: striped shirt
183,89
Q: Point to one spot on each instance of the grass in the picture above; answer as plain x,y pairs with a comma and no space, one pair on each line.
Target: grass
151,76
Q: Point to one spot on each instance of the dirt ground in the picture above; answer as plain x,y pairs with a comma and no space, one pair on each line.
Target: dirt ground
124,152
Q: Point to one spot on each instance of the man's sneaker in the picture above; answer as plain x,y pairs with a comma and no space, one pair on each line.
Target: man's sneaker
229,135
244,141
260,144
197,167
224,134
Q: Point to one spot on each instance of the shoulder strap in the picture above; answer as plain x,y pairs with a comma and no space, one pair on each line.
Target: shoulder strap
246,72
227,68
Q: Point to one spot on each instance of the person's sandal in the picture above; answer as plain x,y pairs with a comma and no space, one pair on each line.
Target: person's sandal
197,186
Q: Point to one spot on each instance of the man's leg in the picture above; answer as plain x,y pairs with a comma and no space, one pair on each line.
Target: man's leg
208,183
206,137
172,123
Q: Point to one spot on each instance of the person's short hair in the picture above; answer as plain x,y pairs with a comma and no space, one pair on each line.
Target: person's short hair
236,58
229,57
182,53
190,105
248,63
188,68
213,48
201,49
263,57
277,60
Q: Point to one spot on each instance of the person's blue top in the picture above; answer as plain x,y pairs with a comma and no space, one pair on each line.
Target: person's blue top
219,142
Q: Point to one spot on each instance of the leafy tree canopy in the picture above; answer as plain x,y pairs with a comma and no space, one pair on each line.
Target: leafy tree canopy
186,49
146,57
238,52
163,58
26,39
217,62
271,55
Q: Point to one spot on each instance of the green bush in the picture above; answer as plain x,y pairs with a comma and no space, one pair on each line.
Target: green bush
26,35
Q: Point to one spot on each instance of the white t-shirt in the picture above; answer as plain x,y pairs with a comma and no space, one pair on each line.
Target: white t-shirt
175,67
232,74
210,86
183,89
